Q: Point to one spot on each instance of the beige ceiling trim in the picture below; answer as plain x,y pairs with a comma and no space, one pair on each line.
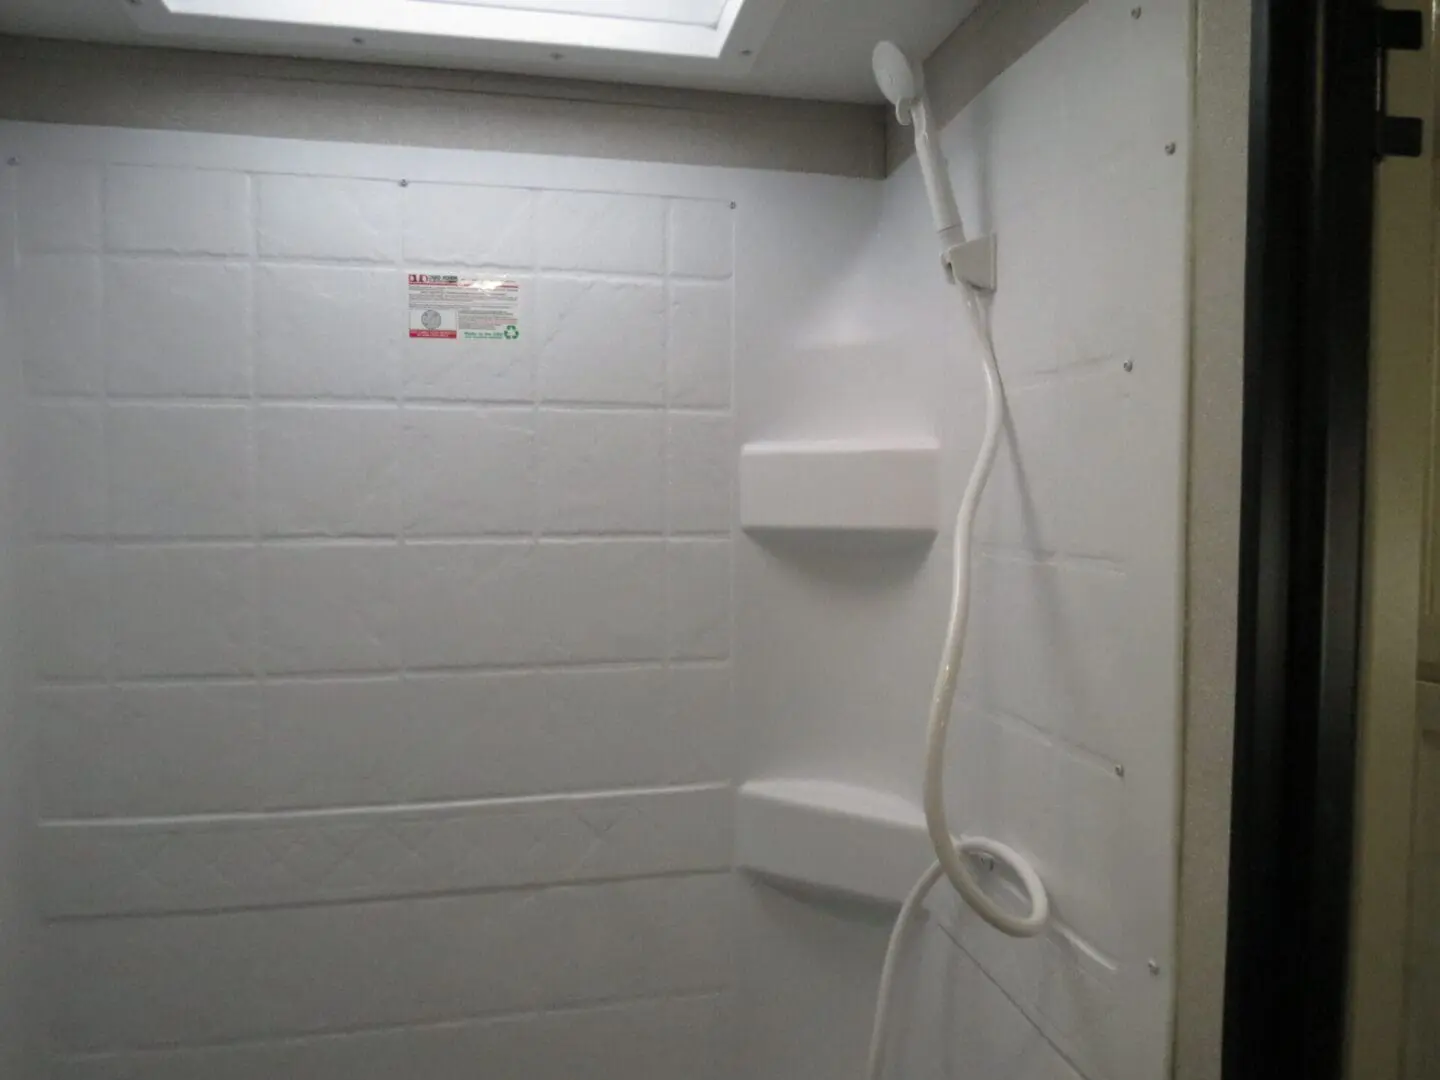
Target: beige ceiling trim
174,89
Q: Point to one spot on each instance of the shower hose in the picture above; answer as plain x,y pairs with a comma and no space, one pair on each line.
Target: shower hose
954,858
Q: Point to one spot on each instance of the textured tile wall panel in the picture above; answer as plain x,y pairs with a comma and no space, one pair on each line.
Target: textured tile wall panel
150,750
699,581
180,471
196,979
702,239
177,211
307,743
468,472
601,600
490,620
328,470
593,231
176,326
240,862
328,331
70,597
185,610
602,472
642,1040
59,208
700,471
700,323
455,224
602,341
321,217
329,608
67,448
383,683
59,350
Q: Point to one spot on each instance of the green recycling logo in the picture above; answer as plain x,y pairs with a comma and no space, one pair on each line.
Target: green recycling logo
512,332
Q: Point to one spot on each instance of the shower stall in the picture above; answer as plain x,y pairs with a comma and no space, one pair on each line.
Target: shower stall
471,611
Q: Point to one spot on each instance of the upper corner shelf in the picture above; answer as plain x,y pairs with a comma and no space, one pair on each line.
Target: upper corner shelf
841,485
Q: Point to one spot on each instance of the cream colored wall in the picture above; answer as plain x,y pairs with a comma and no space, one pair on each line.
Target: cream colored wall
1402,337
1422,1044
1422,959
1218,200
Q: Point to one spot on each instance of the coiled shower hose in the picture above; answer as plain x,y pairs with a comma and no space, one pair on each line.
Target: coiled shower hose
950,854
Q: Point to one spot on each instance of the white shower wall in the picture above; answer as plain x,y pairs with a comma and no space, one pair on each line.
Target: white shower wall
390,694
383,687
1066,740
18,926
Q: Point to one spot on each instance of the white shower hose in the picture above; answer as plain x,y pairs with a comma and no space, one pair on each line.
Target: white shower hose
951,854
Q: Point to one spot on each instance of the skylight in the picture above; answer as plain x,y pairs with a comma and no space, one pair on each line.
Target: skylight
689,12
659,33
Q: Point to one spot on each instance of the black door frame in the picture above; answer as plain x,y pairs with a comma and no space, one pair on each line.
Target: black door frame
1307,339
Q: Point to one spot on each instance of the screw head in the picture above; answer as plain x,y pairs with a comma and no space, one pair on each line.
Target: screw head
1129,365
733,205
747,52
557,56
404,183
1153,966
357,41
1169,148
1135,12
1119,770
12,161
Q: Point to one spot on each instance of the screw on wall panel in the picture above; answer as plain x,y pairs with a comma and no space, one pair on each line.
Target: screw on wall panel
404,183
12,161
1119,770
1129,365
358,40
557,56
1154,966
1169,148
1135,12
732,206
747,52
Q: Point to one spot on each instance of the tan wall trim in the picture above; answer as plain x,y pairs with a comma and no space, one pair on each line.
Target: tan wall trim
335,101
1402,337
996,34
1218,192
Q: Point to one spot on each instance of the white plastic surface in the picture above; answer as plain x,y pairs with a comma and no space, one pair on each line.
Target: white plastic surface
869,485
831,836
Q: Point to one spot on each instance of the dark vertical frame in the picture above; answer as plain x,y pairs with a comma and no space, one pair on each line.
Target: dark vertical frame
1312,141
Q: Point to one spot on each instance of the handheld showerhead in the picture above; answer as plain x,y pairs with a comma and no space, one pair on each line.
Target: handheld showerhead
903,83
900,81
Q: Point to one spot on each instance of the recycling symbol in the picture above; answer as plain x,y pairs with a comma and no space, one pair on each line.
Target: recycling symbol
512,332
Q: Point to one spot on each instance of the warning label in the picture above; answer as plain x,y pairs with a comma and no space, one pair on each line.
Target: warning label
454,307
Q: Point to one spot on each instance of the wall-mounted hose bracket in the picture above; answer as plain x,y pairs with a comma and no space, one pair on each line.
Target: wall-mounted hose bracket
971,262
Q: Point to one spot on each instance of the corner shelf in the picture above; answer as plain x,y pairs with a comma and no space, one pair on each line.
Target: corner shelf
842,485
831,836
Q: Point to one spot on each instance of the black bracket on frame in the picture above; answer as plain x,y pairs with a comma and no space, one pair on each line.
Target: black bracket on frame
1396,136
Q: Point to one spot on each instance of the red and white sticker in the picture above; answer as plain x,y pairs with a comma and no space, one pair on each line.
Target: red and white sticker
455,307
